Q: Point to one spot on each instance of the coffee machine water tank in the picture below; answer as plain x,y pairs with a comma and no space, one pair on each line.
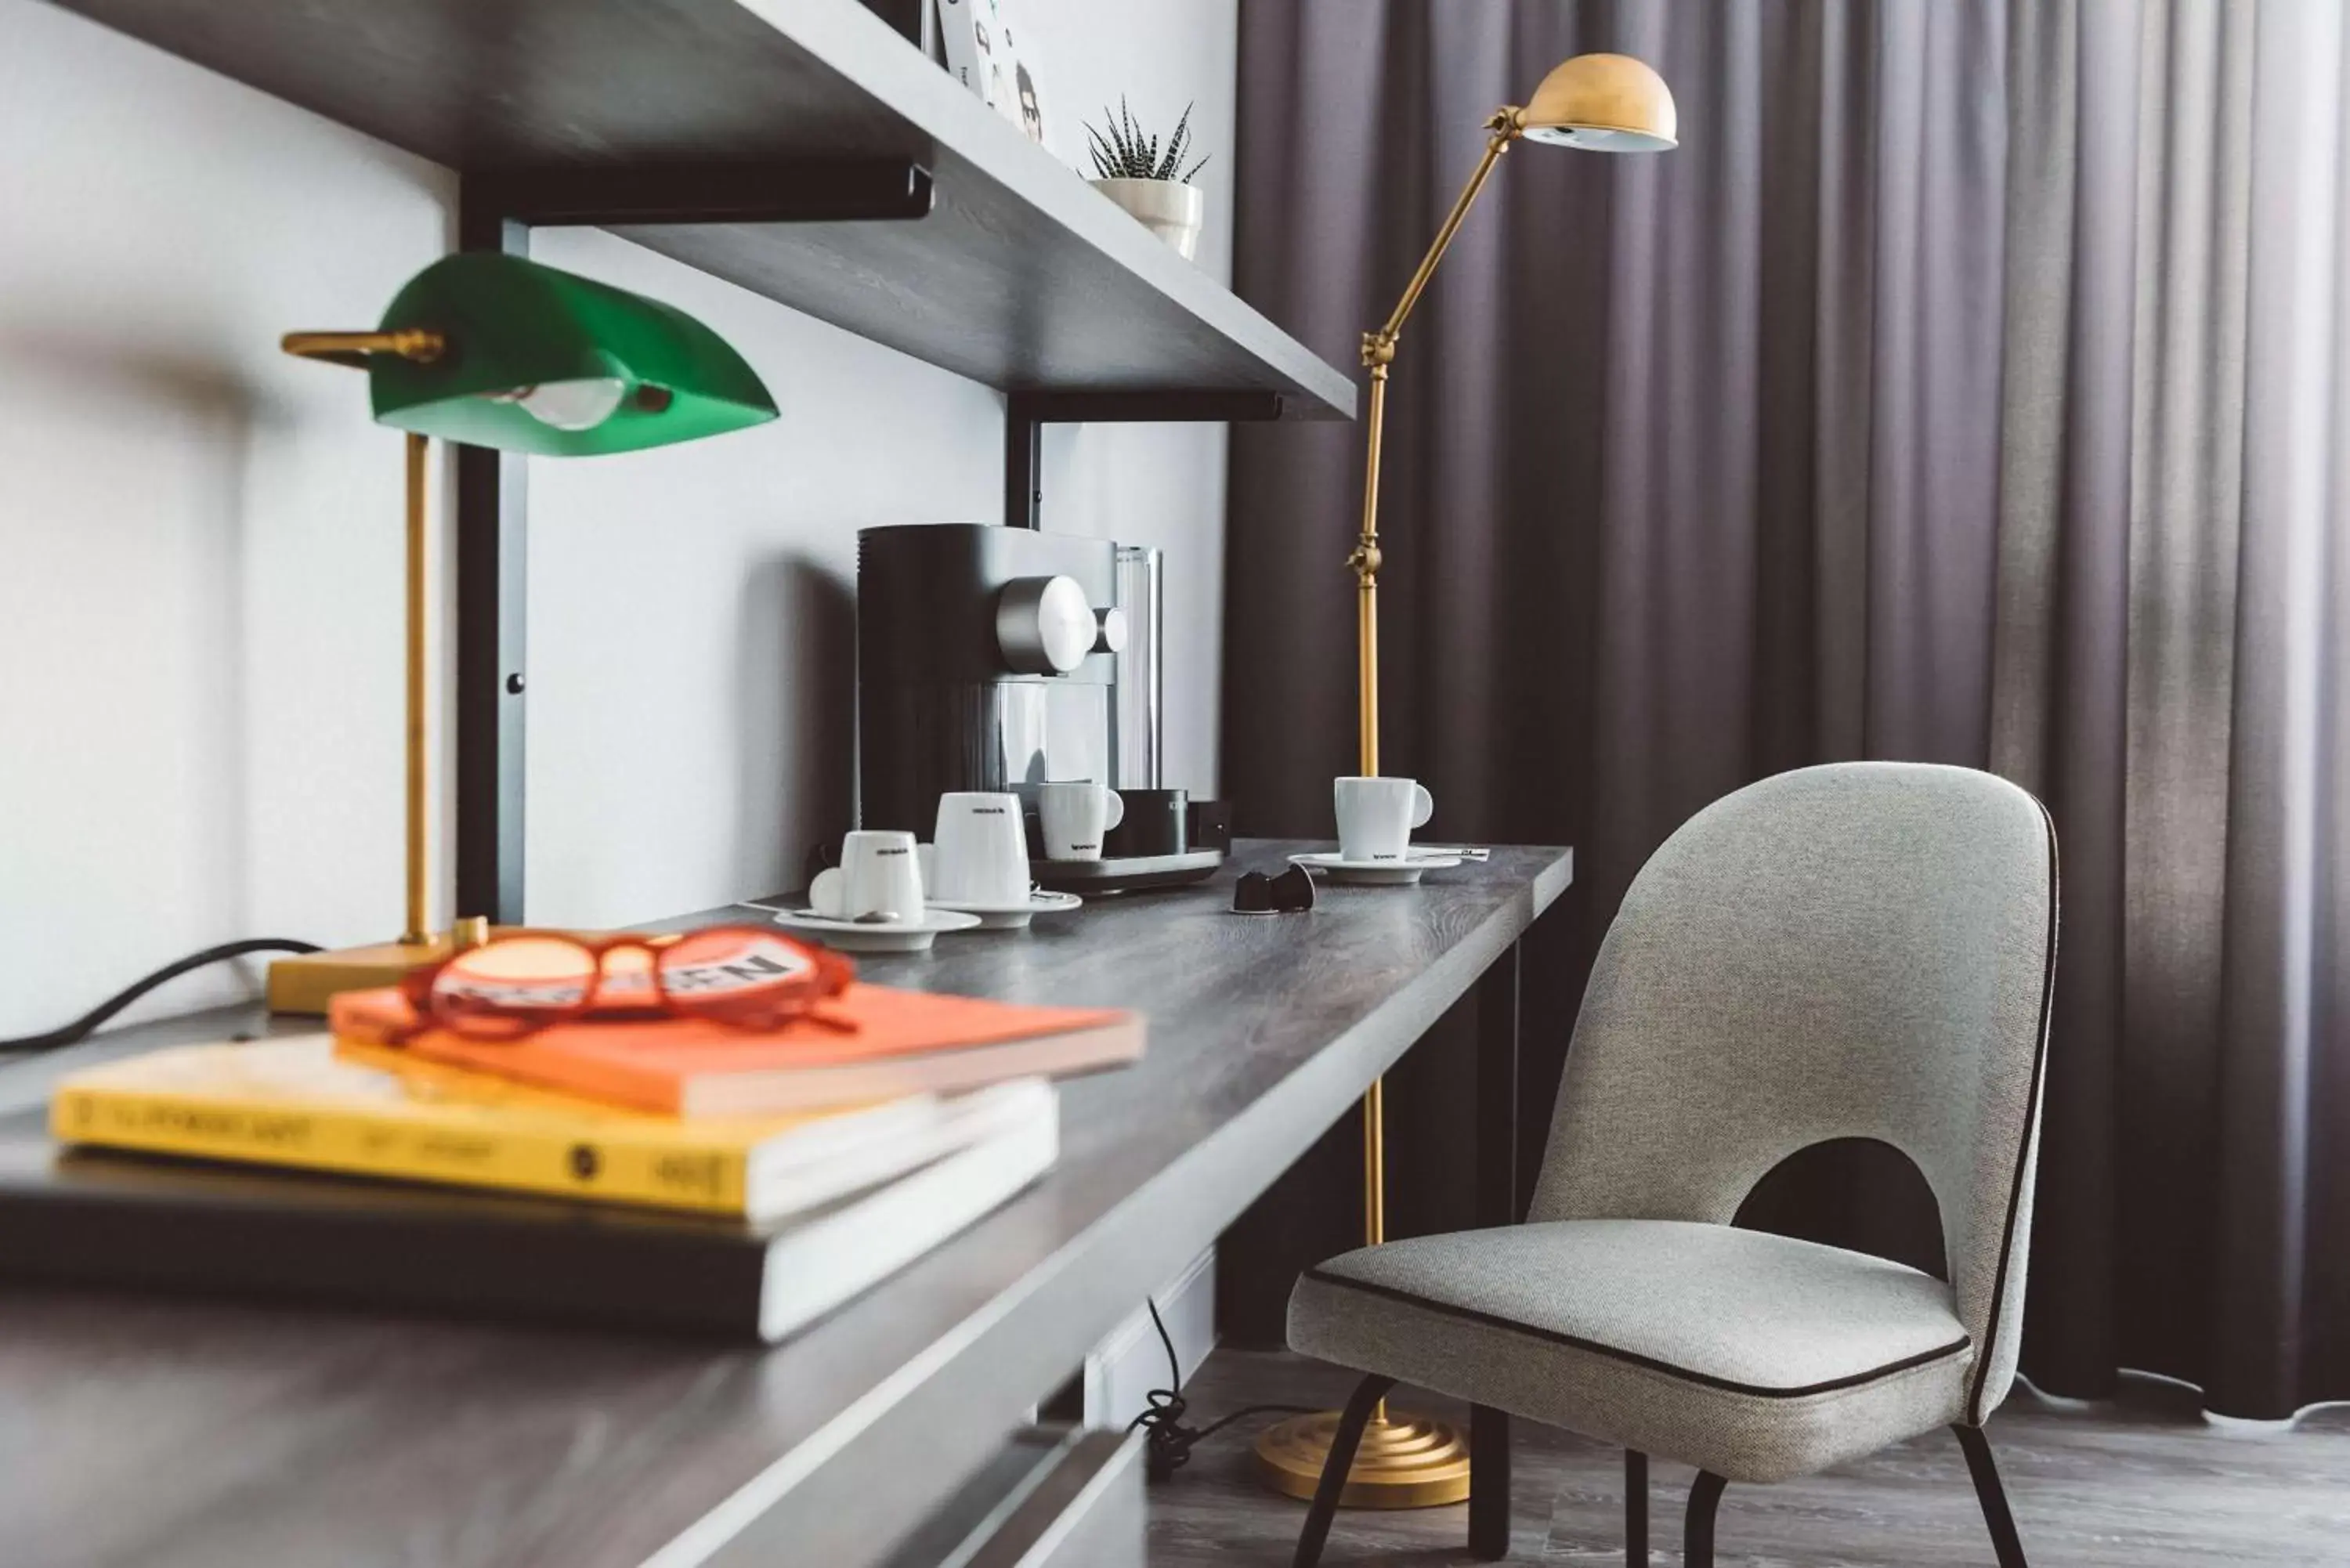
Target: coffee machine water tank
987,659
1141,673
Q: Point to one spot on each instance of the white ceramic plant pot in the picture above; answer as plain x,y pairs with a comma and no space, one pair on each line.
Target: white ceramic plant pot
1168,208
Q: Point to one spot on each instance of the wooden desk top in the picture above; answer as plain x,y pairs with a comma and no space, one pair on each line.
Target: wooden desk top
143,1430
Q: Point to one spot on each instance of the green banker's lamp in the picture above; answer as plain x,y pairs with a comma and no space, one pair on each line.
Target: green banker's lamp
496,351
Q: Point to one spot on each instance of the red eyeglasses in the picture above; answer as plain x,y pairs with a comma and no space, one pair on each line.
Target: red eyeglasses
746,977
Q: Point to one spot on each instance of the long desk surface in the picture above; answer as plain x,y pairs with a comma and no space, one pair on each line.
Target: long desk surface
150,1429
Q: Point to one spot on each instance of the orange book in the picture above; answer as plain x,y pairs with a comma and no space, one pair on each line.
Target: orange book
905,1043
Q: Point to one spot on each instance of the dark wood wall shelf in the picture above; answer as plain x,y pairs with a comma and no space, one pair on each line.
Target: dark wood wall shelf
1021,276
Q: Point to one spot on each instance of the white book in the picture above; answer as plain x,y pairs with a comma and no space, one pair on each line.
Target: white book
827,1257
788,1176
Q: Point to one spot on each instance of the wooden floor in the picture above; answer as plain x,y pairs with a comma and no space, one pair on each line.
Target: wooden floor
2145,1483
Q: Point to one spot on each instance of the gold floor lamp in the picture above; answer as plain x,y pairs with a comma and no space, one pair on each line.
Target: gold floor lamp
1603,103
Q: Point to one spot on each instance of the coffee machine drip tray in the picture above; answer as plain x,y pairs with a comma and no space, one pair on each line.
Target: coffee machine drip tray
1125,873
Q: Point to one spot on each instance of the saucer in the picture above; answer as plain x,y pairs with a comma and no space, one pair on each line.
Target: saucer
873,936
1379,873
1014,917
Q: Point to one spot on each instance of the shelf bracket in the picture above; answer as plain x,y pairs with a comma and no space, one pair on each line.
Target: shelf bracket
1025,415
496,211
493,597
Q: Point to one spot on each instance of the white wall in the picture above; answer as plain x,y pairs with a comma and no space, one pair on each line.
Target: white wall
200,538
693,633
200,688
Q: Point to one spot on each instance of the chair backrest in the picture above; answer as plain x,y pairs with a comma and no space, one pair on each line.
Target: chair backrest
1858,951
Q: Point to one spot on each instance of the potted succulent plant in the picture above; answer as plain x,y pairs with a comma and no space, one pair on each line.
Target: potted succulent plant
1150,184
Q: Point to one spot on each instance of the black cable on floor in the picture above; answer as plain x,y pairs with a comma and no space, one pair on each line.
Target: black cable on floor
1170,1443
82,1028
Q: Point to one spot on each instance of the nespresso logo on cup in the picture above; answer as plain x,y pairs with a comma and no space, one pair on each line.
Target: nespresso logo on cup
886,853
988,811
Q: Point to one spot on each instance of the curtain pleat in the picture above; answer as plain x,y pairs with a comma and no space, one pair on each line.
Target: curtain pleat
2192,242
2061,689
2278,1333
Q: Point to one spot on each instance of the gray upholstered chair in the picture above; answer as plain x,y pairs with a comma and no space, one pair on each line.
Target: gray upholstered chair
1857,952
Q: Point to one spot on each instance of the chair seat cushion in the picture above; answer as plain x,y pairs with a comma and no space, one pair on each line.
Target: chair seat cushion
1751,1355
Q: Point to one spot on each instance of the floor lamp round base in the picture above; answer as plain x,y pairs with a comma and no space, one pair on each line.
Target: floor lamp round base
1404,1461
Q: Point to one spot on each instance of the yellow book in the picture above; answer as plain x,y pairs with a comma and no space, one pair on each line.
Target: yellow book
292,1100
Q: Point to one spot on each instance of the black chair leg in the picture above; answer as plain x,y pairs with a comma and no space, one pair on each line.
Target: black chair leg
1488,1483
1705,1496
1636,1509
2005,1543
1367,1396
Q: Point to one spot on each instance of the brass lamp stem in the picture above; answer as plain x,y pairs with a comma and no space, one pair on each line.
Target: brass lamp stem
422,346
1375,1184
420,924
1365,563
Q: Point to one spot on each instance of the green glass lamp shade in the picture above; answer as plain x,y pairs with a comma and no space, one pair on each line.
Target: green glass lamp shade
533,359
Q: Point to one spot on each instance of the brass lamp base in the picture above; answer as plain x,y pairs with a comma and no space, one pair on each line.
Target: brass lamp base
304,982
307,981
1404,1461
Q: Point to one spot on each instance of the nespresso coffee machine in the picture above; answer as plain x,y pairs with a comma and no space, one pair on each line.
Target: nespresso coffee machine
1001,659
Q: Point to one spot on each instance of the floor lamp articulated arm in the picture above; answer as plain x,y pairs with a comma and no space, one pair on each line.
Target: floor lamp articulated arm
1379,354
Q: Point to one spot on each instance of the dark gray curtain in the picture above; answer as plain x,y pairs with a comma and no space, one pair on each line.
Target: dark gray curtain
1963,389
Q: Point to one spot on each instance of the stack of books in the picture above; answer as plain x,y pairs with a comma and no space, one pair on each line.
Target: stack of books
668,1173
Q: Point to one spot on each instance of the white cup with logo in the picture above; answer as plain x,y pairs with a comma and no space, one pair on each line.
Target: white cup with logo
1377,815
1075,818
979,850
878,875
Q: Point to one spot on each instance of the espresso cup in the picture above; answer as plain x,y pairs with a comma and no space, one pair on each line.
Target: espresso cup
1076,818
979,850
1375,816
878,875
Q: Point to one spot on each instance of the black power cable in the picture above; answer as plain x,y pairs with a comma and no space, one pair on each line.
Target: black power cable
82,1028
1169,1444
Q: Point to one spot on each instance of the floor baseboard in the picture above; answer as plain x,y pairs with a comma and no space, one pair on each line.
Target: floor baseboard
1129,1363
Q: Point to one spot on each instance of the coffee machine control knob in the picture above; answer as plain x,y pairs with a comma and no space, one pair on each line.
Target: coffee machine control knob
1109,635
1044,625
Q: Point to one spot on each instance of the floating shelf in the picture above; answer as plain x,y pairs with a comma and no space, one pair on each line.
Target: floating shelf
1021,276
